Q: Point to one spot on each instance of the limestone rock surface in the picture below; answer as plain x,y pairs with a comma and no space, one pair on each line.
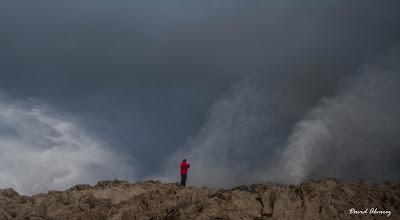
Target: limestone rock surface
114,200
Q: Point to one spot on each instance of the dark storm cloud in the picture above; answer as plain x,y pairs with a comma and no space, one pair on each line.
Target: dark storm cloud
143,75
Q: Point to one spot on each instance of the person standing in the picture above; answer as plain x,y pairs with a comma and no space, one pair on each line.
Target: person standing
184,169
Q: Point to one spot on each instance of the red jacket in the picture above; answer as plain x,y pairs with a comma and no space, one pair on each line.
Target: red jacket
184,167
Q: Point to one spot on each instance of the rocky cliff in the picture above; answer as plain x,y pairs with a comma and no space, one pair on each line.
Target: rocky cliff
325,199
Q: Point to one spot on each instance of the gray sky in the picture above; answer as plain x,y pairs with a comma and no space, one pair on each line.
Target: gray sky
145,77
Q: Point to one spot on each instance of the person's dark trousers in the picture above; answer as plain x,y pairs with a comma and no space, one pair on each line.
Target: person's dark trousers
183,179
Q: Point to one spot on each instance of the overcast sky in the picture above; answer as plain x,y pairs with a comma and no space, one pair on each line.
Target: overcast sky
155,81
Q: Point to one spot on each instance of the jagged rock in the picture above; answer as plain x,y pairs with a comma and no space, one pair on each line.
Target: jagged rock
80,187
114,200
9,192
111,183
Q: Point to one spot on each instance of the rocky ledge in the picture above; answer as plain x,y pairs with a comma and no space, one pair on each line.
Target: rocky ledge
324,199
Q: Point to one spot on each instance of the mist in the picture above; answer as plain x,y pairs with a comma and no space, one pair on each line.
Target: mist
42,150
352,135
279,91
259,132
